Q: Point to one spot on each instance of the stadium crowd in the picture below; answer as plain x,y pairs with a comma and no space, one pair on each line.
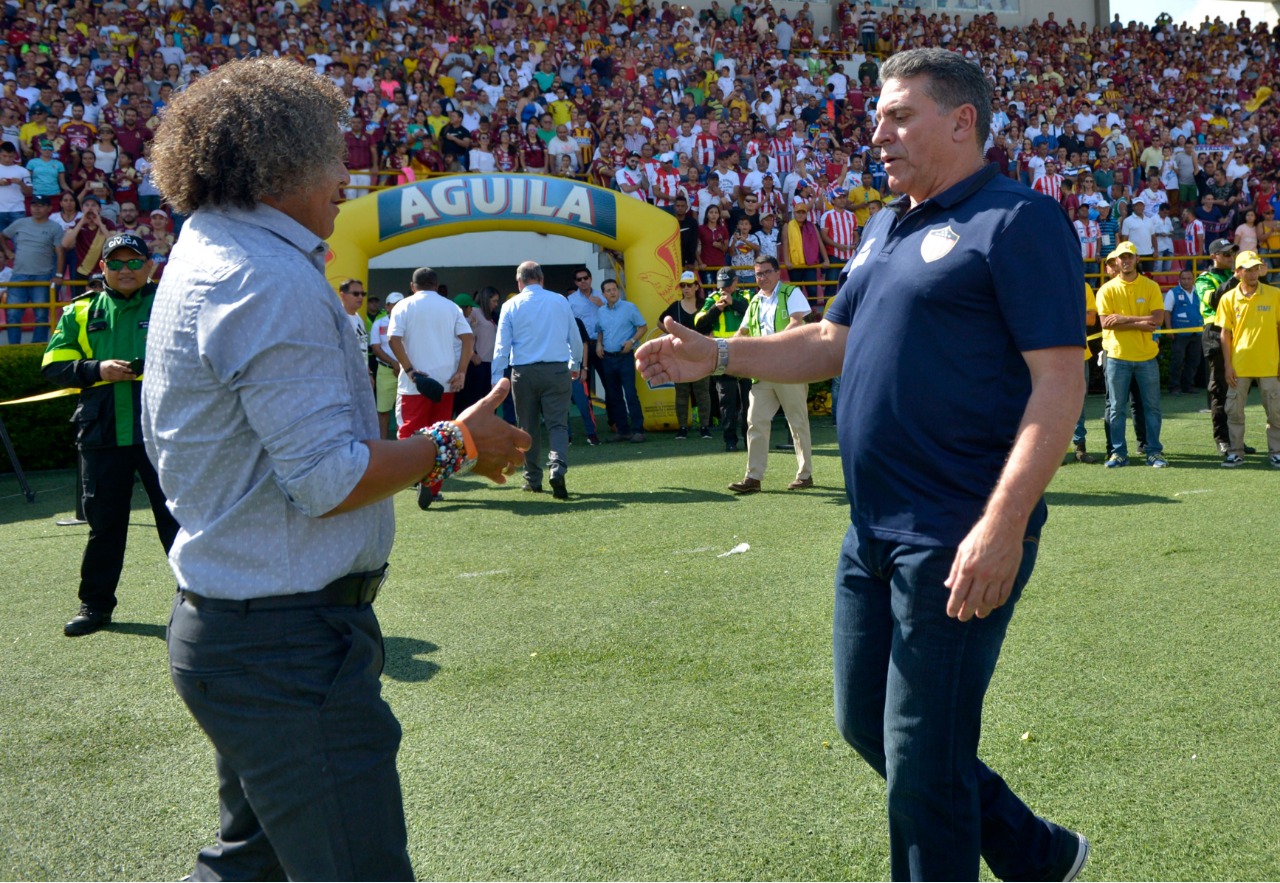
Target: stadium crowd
751,125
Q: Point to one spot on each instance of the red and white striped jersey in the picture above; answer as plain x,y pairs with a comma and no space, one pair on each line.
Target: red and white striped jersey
1194,234
705,150
1050,185
842,226
665,187
774,201
1090,239
784,154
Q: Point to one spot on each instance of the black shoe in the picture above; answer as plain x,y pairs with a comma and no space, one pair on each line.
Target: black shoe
784,447
425,497
1249,450
86,622
531,488
706,432
593,440
682,434
731,446
558,490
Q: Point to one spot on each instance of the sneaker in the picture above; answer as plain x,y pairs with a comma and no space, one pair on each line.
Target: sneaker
620,437
531,488
638,438
682,435
1142,447
1082,856
1155,461
706,432
593,440
558,489
1249,449
1175,392
86,622
425,497
1115,461
1231,461
1275,461
730,447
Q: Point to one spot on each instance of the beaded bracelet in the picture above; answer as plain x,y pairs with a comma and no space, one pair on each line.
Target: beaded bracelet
452,450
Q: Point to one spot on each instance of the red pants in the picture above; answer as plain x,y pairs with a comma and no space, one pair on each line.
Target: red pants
419,412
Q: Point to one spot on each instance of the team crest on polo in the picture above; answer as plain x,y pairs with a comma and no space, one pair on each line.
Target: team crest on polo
937,244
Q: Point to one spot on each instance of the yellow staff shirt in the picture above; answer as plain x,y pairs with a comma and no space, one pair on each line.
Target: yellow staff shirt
1090,306
1141,297
1255,343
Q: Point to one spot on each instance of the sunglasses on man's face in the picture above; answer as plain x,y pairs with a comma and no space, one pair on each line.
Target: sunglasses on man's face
132,264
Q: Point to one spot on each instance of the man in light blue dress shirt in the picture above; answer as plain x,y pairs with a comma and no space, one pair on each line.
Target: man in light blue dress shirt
539,339
619,329
258,414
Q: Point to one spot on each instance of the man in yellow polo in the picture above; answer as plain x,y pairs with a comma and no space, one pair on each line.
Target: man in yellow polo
1131,309
1248,316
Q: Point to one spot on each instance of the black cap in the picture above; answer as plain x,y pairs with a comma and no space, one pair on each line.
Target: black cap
42,200
1221,246
724,276
125,240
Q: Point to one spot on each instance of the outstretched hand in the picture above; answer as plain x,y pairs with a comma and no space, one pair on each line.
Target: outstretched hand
500,446
680,356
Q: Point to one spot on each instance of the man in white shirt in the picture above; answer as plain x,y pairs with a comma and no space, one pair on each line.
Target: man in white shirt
632,180
1164,238
1140,229
432,343
384,382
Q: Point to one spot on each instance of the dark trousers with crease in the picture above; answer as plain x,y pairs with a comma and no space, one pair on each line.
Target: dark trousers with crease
107,495
304,744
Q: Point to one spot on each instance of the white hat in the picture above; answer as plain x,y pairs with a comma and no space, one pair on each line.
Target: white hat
393,298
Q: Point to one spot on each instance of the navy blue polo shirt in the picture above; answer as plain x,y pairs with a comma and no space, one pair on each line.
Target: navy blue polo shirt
941,301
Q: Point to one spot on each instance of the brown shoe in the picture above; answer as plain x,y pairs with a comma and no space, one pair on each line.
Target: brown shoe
748,485
800,484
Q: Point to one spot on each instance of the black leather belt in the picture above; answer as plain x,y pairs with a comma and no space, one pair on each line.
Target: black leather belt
352,590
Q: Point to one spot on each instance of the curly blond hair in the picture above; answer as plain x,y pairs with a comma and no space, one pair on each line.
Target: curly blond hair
264,127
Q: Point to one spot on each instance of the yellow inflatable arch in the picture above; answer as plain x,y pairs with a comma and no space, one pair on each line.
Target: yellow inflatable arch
648,237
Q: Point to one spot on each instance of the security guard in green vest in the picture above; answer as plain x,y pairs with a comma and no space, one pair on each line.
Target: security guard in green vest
99,346
776,307
721,316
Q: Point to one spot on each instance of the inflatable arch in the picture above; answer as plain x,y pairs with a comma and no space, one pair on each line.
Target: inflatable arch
648,238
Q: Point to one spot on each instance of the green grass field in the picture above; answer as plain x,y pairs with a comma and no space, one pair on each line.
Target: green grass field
589,692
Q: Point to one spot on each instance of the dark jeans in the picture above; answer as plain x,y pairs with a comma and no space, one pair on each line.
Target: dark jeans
622,402
107,495
700,390
304,744
1185,353
1216,382
735,394
909,688
582,401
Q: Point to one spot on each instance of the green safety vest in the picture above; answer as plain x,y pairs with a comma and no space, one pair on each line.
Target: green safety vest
97,326
781,318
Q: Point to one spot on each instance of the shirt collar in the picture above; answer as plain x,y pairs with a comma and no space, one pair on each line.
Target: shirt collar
277,222
954,194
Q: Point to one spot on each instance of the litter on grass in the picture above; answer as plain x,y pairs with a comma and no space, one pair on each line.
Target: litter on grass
736,550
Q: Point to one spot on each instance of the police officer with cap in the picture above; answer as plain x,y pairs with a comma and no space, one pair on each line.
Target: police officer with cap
721,316
99,346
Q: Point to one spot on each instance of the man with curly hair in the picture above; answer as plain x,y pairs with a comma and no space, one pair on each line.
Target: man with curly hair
258,414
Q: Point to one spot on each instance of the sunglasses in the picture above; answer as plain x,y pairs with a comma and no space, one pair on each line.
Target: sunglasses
355,294
132,264
581,278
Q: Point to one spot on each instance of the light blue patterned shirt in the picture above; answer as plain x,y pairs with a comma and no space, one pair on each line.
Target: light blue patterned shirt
255,402
536,326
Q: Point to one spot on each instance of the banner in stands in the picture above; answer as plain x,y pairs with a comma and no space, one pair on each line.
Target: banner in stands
647,237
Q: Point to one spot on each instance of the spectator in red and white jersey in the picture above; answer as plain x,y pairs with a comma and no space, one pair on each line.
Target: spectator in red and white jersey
632,180
1050,183
666,183
839,231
